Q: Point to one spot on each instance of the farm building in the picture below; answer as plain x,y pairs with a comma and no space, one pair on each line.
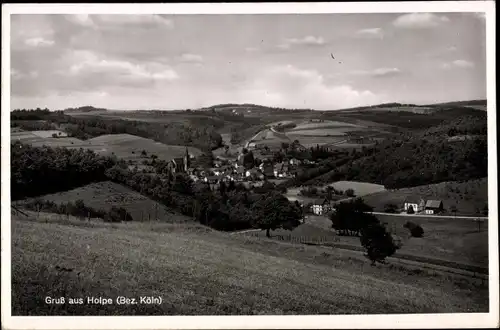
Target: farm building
433,206
417,207
321,206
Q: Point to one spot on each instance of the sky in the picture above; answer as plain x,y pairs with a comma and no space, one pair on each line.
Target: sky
315,61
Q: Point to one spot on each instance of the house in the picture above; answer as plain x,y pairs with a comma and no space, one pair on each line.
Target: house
254,174
321,206
417,207
433,206
240,172
294,162
281,170
212,179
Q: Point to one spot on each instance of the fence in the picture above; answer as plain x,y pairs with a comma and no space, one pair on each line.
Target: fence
311,240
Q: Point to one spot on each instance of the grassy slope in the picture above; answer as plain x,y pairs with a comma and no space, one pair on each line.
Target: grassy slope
213,273
454,240
466,196
124,144
104,195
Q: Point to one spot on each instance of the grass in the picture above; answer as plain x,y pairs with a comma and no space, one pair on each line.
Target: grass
210,273
129,147
323,132
325,124
104,195
360,188
455,240
466,196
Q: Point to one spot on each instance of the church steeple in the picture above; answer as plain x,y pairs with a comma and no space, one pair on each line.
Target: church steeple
187,160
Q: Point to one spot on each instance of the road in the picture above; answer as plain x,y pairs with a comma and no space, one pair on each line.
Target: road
430,215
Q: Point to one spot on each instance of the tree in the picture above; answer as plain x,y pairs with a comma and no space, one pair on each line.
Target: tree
410,210
378,243
349,218
415,229
390,208
454,210
248,160
349,193
273,211
144,153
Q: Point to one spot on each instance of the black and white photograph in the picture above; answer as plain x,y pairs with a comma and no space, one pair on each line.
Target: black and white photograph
210,160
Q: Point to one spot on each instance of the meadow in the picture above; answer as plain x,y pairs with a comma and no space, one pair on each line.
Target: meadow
360,188
445,239
129,147
323,124
466,196
204,272
104,195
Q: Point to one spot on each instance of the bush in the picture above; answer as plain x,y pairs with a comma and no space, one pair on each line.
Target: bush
410,210
117,214
415,229
390,208
349,193
378,243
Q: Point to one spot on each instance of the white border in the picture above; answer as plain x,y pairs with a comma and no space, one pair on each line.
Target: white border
461,320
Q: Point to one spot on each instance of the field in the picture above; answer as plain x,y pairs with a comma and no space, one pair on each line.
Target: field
210,273
322,132
323,124
129,147
466,196
445,240
360,188
104,195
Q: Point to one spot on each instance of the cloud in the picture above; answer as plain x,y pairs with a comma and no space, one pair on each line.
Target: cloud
91,64
378,73
419,20
480,15
191,58
305,41
458,64
80,19
290,86
372,33
136,20
38,42
119,20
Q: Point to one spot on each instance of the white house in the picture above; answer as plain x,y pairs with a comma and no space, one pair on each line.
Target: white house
417,207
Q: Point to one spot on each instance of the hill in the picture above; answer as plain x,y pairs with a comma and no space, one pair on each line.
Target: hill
211,273
129,147
106,194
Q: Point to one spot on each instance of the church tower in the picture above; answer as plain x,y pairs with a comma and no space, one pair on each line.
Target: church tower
187,163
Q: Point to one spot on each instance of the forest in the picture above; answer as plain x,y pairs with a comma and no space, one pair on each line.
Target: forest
174,133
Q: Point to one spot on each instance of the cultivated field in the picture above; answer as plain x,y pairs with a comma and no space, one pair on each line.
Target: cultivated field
360,188
313,141
129,147
322,132
324,124
209,273
104,195
466,196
